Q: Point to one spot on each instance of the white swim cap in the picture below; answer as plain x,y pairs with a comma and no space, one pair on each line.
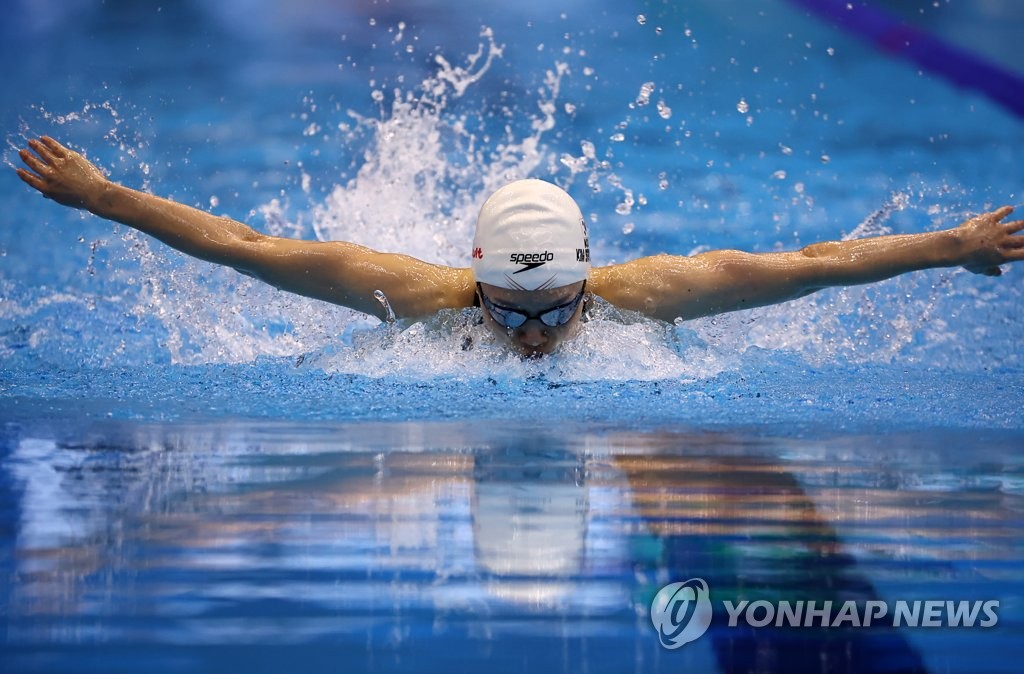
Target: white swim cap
530,235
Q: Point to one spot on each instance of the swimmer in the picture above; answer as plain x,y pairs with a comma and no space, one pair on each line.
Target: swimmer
531,271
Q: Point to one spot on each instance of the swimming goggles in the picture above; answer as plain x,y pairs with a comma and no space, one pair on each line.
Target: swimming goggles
554,317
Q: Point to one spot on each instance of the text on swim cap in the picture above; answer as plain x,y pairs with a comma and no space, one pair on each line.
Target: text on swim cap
531,258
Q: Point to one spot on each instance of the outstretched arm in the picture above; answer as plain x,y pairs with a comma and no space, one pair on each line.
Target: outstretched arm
336,271
669,287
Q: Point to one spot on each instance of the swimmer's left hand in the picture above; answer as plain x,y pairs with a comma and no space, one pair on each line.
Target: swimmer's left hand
987,242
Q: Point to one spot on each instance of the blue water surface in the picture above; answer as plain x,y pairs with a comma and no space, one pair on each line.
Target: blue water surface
199,472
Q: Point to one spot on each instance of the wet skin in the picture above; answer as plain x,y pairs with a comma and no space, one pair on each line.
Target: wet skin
533,338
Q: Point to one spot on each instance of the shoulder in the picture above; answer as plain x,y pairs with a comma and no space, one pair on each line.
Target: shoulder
659,286
421,288
632,285
456,287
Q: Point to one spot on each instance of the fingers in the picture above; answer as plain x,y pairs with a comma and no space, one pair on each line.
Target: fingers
42,150
33,162
56,148
999,213
1013,226
30,178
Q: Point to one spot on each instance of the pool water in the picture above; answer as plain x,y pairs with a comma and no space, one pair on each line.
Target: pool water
200,473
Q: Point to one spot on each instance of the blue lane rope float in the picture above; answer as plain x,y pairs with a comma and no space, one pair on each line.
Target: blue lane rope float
931,53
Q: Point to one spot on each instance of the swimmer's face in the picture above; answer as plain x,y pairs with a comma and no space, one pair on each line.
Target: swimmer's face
535,322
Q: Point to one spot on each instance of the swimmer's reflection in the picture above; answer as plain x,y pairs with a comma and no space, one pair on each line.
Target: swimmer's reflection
742,523
529,521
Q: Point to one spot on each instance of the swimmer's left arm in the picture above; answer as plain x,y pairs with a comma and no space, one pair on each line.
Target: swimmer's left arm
670,287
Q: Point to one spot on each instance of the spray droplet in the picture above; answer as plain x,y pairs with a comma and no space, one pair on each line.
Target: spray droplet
628,228
644,97
779,175
641,19
383,299
742,107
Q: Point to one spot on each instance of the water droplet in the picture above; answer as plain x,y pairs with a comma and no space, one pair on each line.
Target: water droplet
628,228
664,111
825,159
214,202
644,97
383,299
641,19
617,137
785,150
830,51
742,107
779,175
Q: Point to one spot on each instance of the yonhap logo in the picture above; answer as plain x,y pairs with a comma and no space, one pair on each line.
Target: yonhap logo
681,612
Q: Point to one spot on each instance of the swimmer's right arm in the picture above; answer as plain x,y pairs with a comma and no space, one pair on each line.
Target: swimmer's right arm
335,271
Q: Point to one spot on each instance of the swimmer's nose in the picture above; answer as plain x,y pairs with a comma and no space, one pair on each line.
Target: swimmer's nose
533,333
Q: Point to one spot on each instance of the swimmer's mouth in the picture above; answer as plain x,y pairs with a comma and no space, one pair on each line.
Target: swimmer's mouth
532,353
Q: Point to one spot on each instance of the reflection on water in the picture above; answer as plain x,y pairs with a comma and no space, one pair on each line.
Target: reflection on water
440,547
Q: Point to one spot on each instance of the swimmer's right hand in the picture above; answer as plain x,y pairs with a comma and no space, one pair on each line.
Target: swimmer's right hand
61,174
